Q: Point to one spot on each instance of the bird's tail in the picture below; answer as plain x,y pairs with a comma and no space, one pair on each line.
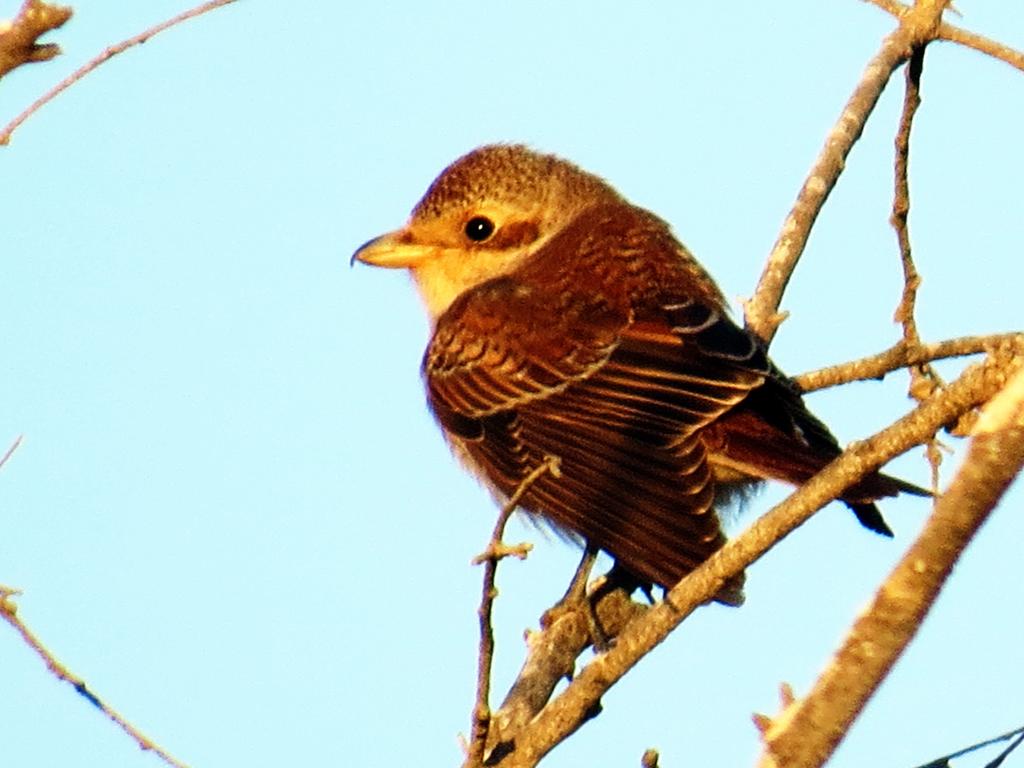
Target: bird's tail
748,445
860,498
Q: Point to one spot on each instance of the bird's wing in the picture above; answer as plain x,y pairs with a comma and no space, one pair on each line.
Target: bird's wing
613,279
505,344
619,398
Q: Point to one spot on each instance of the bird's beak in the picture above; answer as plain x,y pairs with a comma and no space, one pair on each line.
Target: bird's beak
395,250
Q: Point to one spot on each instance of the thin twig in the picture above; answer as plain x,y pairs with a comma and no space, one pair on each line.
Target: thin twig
944,760
11,450
904,313
9,613
1006,752
924,379
109,53
899,356
983,45
808,732
901,198
496,550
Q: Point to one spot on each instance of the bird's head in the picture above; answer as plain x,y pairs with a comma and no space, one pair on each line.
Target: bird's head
483,217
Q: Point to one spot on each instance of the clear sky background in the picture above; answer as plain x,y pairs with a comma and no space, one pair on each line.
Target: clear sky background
232,513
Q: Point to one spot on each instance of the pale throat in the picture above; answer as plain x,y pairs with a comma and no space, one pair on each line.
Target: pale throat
442,279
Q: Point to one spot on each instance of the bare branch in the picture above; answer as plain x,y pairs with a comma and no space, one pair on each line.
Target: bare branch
901,355
10,451
496,550
917,26
983,45
18,37
808,732
9,613
1017,734
551,657
924,379
109,53
901,201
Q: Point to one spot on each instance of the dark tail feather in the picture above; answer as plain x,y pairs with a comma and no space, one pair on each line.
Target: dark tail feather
869,516
902,486
860,498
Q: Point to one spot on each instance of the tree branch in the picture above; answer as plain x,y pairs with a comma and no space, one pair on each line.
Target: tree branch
808,731
9,613
955,34
496,551
983,45
904,314
899,356
18,37
109,53
1017,734
10,451
924,379
551,657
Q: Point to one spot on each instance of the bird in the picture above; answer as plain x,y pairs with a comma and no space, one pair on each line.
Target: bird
569,323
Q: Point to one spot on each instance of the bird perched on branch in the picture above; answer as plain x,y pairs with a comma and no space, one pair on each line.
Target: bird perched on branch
570,323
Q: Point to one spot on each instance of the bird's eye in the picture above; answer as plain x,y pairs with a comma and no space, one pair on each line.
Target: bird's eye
479,228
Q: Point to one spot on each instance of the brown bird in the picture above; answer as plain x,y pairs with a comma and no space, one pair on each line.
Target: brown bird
569,323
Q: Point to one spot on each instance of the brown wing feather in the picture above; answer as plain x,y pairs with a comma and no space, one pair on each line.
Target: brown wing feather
504,344
622,407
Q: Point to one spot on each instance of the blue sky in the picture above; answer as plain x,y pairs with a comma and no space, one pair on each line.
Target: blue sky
232,513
